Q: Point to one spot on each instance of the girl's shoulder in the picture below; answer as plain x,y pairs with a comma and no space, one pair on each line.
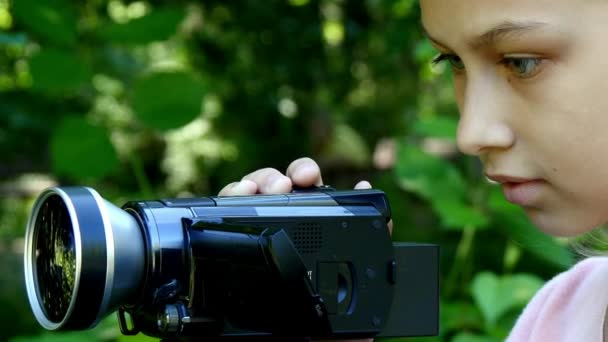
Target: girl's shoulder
569,307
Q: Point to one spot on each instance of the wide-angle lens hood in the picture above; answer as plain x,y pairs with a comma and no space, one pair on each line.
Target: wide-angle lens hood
83,257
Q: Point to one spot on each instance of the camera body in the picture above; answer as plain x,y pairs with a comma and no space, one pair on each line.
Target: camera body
315,263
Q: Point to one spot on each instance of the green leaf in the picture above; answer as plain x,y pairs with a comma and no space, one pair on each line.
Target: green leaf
298,3
348,145
457,214
137,338
52,19
81,150
167,100
102,332
74,336
440,183
402,8
497,295
429,176
424,51
458,316
514,222
436,126
58,71
160,24
468,337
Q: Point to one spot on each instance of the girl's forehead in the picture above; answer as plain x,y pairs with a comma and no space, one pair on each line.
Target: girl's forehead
465,20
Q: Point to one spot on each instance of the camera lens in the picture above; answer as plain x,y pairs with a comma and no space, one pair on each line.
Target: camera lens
55,255
83,258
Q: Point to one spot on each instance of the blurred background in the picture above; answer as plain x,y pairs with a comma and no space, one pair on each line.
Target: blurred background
149,99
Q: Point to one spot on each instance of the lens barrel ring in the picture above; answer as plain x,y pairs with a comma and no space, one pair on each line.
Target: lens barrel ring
90,281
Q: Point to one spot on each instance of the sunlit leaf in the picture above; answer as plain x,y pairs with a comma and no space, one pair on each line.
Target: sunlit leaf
429,176
437,126
298,3
347,145
441,184
160,24
81,150
58,71
136,338
402,8
457,214
167,100
496,295
424,51
51,19
72,336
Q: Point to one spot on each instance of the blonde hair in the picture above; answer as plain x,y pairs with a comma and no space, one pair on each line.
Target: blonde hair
593,243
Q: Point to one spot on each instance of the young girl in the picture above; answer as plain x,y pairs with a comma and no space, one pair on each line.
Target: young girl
531,82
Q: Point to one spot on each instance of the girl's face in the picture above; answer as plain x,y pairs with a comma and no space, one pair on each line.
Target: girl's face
531,81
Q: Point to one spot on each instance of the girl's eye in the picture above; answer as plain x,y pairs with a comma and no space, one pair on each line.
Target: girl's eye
455,62
523,67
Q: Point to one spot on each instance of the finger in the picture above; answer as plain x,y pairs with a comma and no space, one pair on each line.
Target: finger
270,181
304,172
242,188
363,185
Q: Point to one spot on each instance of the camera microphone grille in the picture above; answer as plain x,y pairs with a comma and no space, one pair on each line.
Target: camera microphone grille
308,237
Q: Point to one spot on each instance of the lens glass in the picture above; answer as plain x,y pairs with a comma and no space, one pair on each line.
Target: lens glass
55,258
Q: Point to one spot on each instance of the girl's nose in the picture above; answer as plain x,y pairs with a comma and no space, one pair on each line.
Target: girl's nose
483,124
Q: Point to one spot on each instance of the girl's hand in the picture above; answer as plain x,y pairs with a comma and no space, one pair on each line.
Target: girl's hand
303,172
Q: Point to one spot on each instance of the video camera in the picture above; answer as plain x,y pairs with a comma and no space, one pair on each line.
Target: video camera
314,263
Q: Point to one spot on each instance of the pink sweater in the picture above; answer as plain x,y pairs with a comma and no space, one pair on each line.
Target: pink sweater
570,307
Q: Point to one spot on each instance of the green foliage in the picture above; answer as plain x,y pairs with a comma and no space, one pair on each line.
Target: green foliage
160,24
457,215
433,178
58,72
143,99
104,332
167,100
438,127
467,337
496,295
81,150
52,20
513,221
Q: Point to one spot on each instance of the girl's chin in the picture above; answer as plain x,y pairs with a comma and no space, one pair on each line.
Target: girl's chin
560,224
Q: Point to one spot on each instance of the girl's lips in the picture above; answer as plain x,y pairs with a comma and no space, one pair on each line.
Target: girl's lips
522,193
502,179
519,190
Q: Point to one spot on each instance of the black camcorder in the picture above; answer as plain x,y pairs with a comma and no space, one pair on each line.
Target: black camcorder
311,264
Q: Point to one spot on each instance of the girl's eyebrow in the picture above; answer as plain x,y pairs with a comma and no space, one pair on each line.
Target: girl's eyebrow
502,31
